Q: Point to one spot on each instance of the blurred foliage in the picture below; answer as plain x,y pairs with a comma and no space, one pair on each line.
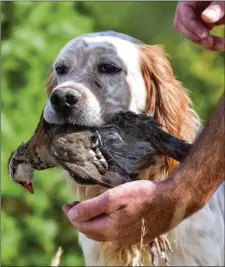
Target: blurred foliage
33,226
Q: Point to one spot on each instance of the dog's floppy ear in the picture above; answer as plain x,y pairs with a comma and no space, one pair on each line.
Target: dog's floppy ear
51,82
167,100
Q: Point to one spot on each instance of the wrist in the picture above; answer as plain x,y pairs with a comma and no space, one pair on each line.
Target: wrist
169,198
184,193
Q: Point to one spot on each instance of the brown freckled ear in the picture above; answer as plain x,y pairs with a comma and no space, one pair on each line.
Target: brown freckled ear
167,99
51,81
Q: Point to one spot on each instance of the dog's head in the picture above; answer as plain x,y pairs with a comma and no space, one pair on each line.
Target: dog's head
99,74
93,77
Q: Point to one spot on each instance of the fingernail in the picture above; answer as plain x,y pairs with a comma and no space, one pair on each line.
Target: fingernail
210,14
72,214
66,208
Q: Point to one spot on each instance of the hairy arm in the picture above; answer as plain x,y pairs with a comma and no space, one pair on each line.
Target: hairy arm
204,168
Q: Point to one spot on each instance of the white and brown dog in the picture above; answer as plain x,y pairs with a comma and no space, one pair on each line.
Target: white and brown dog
98,74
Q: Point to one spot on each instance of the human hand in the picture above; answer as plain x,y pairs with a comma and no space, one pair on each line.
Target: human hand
117,214
196,19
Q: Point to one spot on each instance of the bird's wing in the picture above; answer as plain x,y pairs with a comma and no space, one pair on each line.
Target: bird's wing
160,140
86,174
141,127
75,154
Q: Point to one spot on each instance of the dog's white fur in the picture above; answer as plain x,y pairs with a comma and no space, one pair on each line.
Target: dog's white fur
198,240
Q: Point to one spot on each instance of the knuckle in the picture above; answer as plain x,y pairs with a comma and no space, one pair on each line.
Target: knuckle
82,212
109,198
85,211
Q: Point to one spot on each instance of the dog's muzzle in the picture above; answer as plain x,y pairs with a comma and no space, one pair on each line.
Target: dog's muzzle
64,100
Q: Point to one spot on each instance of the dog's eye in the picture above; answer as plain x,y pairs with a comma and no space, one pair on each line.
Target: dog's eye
62,69
108,68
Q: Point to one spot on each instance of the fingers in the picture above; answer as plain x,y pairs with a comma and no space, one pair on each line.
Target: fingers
218,44
105,228
186,18
214,12
192,27
187,33
67,207
91,208
95,229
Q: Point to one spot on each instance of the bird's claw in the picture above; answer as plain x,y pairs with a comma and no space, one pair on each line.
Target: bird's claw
158,248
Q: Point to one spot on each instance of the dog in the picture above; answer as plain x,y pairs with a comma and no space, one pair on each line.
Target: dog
99,74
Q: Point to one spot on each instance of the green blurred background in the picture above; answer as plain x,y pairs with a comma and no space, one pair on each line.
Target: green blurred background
33,226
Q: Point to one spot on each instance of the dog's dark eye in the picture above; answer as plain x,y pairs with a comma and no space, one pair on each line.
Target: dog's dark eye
61,69
108,69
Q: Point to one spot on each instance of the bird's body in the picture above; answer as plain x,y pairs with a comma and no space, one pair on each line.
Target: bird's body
108,155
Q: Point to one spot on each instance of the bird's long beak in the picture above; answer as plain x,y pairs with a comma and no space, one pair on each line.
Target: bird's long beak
27,186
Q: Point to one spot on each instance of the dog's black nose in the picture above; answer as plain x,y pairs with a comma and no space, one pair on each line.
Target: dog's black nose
64,100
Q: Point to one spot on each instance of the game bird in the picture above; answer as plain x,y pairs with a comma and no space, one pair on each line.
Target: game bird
109,155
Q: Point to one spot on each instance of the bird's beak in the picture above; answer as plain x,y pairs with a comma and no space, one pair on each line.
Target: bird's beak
27,186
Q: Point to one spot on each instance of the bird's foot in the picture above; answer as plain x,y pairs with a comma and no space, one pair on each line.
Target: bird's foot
158,249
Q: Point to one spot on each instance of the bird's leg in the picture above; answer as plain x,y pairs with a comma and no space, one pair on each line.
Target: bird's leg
158,248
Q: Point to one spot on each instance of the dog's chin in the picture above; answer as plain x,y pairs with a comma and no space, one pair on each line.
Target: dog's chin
51,116
73,118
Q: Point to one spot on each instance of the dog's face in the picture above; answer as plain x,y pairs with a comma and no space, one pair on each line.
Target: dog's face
99,74
95,76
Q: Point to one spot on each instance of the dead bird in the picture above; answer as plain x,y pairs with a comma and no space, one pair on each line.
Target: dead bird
108,155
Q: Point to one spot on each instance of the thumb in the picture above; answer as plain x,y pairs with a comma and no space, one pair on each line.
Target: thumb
214,12
67,207
91,208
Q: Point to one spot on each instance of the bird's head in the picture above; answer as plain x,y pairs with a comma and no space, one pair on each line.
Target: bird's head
19,169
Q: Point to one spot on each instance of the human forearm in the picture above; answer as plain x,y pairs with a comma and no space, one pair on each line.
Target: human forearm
204,169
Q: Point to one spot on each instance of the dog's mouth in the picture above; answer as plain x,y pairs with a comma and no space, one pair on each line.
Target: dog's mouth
52,129
82,115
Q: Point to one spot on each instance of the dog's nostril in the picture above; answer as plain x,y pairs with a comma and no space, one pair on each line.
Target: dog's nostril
56,98
72,99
